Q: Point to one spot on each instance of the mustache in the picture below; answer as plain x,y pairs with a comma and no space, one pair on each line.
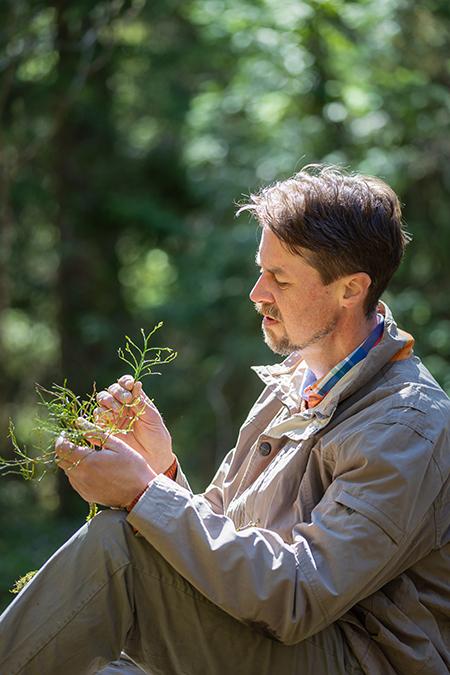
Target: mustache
265,309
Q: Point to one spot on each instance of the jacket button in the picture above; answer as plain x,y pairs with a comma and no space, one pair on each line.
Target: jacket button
265,448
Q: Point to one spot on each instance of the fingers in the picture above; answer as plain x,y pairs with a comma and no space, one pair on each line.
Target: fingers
93,433
107,401
121,405
104,417
115,444
69,455
114,406
102,437
127,382
141,397
118,394
124,394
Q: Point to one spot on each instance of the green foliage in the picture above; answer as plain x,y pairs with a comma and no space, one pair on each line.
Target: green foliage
64,411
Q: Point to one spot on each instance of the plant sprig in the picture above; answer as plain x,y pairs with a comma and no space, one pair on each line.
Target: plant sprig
63,410
138,359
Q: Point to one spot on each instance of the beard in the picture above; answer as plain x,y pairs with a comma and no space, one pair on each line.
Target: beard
281,344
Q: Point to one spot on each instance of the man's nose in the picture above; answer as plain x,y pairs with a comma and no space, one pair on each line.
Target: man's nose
260,293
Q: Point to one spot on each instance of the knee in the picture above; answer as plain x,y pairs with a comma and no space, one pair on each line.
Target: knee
108,518
108,524
114,540
107,534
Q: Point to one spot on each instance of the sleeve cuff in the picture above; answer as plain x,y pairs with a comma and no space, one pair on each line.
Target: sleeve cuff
161,501
171,473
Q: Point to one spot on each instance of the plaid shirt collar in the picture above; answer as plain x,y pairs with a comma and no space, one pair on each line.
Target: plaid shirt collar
312,391
284,380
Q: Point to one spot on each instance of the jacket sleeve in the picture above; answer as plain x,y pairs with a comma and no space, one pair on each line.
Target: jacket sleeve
359,537
214,492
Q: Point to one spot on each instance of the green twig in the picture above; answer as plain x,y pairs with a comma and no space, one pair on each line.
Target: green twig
63,408
142,360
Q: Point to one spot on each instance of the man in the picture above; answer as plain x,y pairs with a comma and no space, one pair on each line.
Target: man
322,544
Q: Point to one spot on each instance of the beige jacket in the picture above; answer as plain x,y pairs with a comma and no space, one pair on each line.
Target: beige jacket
338,513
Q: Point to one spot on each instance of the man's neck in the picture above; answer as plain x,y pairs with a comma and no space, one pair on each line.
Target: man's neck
348,334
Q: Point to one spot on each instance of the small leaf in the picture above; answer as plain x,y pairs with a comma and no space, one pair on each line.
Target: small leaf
22,582
93,510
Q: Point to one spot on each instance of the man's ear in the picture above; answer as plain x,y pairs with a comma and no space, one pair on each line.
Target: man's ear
355,288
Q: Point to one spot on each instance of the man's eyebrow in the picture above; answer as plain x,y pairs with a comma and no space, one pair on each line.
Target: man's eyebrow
272,270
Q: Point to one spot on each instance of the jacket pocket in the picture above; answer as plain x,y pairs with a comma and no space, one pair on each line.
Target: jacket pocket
372,513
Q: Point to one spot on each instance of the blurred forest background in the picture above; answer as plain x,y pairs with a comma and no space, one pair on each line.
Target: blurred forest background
128,129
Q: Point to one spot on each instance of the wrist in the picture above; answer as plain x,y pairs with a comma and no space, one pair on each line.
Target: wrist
147,478
171,471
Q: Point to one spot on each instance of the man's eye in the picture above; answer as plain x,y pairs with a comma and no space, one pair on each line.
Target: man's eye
281,284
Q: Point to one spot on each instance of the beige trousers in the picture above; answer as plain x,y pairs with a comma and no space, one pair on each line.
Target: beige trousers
107,590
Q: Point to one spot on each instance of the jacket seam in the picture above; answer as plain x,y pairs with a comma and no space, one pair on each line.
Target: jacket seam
418,431
437,525
437,529
434,460
391,527
386,423
251,423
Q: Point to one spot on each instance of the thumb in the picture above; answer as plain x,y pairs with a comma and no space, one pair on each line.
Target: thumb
92,433
140,398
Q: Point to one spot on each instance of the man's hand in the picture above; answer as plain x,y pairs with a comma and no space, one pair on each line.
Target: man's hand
149,436
113,476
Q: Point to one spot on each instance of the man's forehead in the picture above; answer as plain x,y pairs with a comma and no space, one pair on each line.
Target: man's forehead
275,269
274,256
273,253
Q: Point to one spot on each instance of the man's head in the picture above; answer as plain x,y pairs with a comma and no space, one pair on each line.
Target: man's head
335,228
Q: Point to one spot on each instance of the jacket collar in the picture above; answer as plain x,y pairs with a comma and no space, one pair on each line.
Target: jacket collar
284,379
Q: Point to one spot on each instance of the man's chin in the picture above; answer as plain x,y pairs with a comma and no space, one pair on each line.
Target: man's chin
282,346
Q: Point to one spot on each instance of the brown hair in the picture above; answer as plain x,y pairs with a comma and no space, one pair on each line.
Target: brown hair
340,223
